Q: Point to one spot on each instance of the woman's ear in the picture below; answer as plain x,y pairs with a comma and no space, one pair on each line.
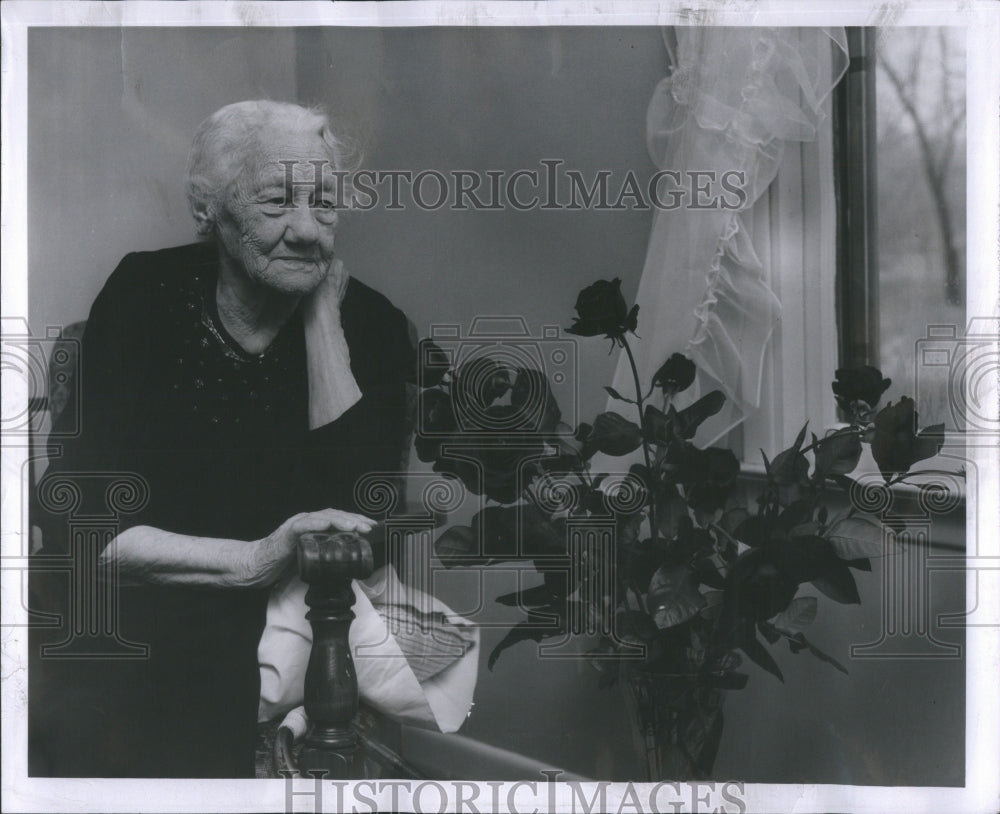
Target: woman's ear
204,217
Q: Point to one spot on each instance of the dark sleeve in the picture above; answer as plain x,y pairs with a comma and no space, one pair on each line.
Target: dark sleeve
382,360
395,396
400,361
402,355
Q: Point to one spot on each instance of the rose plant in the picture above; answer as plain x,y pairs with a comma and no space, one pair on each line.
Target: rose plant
700,577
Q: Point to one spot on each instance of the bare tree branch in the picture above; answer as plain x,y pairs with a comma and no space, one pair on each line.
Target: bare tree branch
909,105
945,84
935,161
953,130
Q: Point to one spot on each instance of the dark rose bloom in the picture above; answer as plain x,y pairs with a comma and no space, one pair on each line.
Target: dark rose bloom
496,477
536,406
859,384
897,445
675,375
708,476
490,463
468,434
756,588
478,383
601,309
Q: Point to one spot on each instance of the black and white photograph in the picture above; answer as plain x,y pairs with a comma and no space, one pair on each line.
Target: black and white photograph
500,407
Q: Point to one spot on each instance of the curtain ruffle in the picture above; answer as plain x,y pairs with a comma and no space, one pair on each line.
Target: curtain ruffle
733,100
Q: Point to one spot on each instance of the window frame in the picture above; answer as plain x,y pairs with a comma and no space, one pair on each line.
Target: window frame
855,115
821,211
856,184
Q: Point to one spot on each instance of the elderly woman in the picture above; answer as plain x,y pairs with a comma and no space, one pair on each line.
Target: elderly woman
250,382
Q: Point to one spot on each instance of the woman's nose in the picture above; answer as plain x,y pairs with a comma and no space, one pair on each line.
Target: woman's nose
301,225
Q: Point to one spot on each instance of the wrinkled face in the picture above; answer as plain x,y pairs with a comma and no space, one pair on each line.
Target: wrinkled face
275,226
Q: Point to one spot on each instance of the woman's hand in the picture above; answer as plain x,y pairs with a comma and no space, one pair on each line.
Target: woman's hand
269,558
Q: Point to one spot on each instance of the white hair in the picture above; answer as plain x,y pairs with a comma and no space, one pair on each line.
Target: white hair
231,137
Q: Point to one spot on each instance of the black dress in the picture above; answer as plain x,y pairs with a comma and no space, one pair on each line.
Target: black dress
221,439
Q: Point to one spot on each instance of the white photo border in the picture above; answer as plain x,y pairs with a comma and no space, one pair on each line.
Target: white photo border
981,792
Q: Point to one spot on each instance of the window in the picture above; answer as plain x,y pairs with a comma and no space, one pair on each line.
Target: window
900,171
880,197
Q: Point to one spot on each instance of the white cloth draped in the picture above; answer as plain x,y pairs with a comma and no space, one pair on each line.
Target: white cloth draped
385,680
733,99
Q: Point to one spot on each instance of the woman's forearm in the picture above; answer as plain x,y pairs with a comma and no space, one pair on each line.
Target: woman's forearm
143,554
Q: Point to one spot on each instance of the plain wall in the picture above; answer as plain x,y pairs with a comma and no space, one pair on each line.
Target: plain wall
111,114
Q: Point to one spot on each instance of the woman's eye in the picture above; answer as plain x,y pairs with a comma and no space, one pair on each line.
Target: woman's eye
276,201
326,203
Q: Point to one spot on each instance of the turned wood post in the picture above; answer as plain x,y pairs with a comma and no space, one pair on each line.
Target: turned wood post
328,562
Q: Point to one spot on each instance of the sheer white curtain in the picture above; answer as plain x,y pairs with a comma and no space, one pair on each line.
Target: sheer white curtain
733,100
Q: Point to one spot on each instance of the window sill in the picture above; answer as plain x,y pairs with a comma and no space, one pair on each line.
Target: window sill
947,515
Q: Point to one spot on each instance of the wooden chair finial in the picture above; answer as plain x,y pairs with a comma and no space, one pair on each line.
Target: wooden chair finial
328,562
